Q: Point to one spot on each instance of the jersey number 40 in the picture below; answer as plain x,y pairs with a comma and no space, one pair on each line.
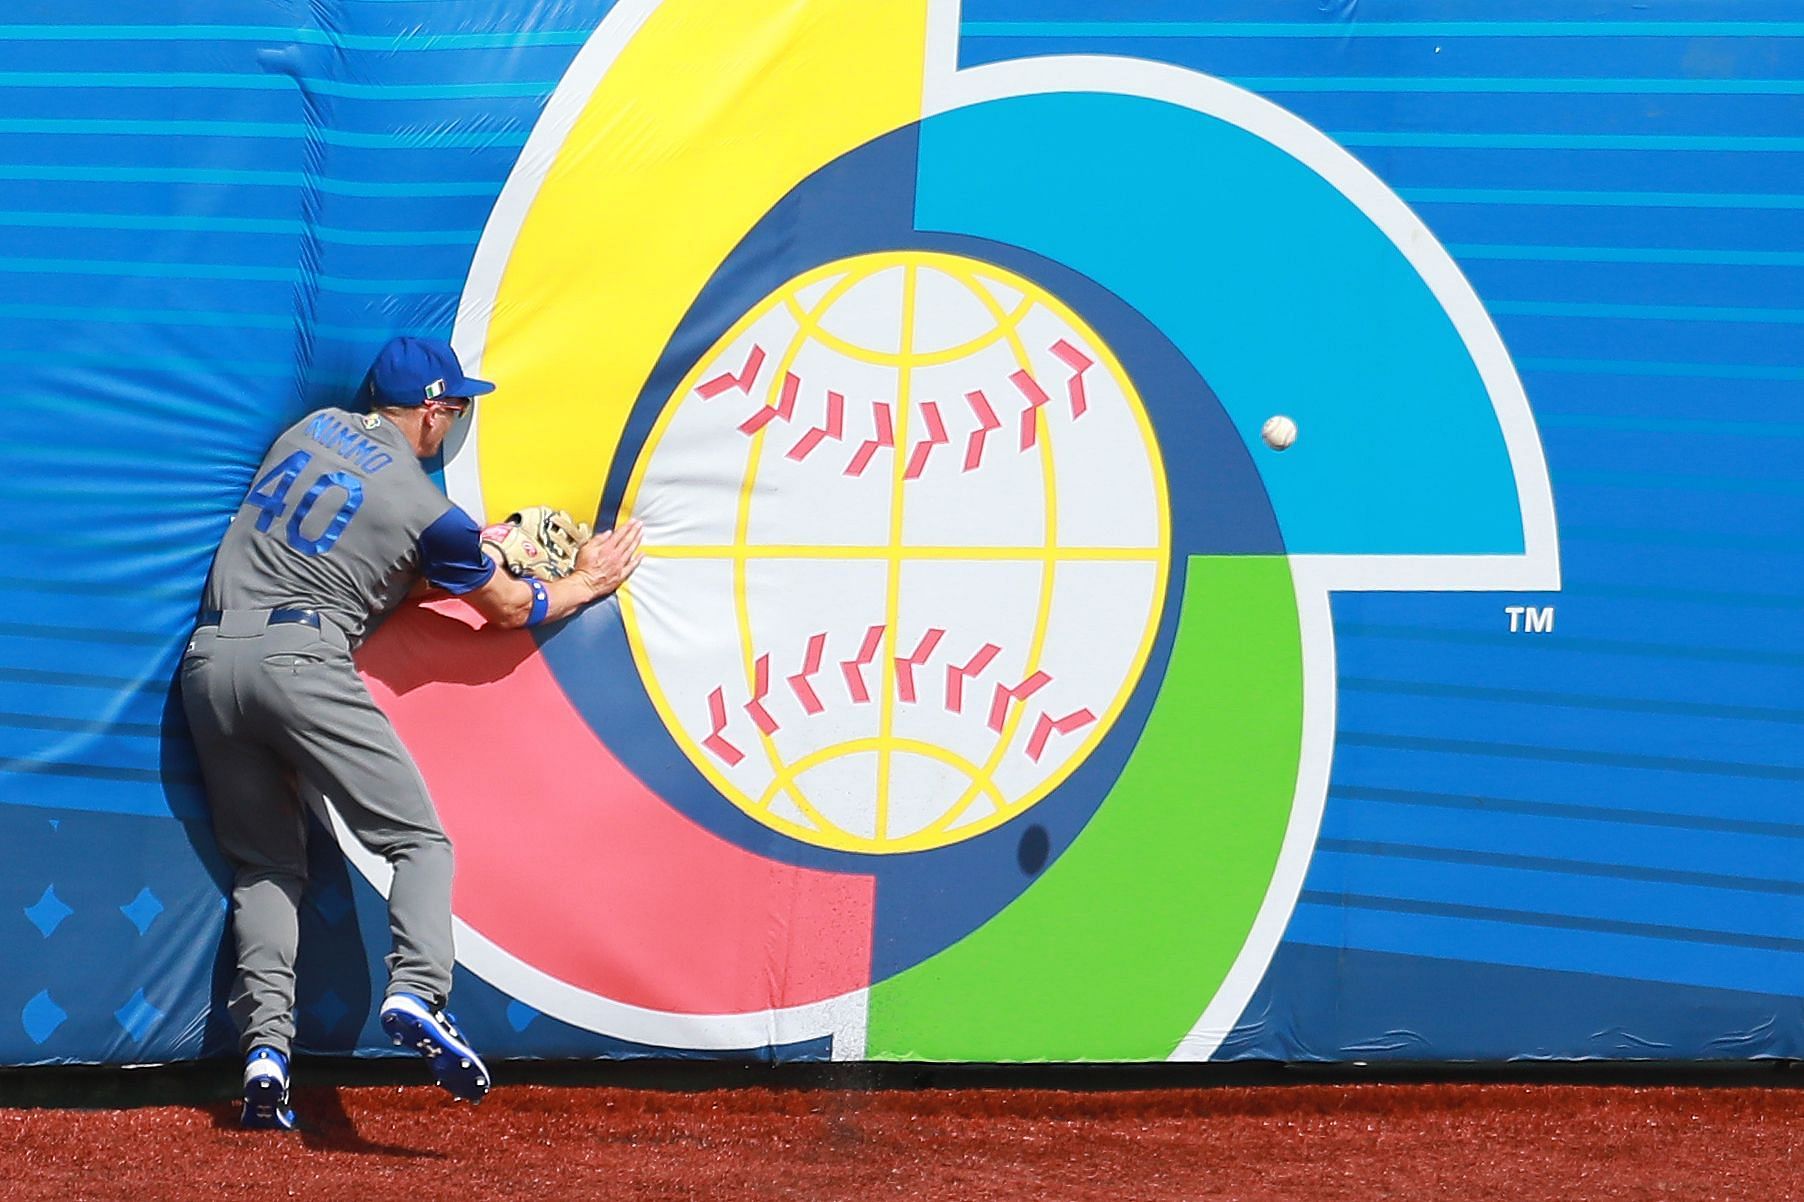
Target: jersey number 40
270,494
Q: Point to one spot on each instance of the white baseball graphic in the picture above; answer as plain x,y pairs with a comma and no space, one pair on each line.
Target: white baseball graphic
908,545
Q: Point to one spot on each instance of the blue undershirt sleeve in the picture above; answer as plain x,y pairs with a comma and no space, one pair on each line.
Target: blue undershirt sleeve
451,553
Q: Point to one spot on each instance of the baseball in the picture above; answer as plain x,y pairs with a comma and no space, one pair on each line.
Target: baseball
1279,432
912,546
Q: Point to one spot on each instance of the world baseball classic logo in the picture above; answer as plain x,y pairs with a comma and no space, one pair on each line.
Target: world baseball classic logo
977,697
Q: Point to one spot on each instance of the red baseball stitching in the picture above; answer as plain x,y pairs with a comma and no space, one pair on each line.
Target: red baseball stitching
905,666
986,421
956,675
760,690
1079,363
717,714
727,380
936,437
834,429
785,407
1036,397
800,683
1047,724
886,437
854,668
1021,692
883,417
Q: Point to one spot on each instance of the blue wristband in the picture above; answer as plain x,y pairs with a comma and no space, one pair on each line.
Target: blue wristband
541,602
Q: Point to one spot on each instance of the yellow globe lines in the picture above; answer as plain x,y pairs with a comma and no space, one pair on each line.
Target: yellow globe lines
908,542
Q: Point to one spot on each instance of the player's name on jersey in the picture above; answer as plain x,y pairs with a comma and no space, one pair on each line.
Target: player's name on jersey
334,435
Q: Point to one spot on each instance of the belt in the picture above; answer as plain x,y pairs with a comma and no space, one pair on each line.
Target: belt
277,617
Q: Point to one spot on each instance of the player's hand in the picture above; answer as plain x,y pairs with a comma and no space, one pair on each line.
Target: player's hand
609,558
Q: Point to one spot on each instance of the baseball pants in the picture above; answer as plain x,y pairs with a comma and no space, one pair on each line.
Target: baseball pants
272,707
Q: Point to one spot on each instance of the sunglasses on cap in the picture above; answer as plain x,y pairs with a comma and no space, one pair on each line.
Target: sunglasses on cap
455,406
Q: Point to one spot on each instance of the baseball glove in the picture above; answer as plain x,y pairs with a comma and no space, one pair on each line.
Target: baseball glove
539,541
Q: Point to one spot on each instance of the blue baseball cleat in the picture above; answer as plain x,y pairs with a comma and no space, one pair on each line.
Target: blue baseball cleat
411,1023
266,1092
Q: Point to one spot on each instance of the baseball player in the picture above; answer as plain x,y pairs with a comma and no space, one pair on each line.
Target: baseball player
339,524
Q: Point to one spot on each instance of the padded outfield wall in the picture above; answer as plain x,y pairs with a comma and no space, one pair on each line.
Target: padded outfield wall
993,690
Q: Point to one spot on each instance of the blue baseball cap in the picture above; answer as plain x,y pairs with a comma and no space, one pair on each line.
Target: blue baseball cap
410,371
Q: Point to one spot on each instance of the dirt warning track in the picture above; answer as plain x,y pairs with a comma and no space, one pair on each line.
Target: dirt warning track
1316,1142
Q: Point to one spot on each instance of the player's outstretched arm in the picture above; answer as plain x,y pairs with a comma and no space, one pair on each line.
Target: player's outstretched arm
602,565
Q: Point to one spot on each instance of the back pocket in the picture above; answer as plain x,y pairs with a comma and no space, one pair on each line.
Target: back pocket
293,660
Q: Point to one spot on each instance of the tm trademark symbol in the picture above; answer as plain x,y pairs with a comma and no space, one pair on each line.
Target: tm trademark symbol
1530,619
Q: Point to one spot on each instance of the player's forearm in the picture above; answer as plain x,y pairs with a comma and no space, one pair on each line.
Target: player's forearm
523,606
571,593
510,603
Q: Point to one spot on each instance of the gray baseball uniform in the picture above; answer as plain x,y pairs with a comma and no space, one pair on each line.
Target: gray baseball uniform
340,522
